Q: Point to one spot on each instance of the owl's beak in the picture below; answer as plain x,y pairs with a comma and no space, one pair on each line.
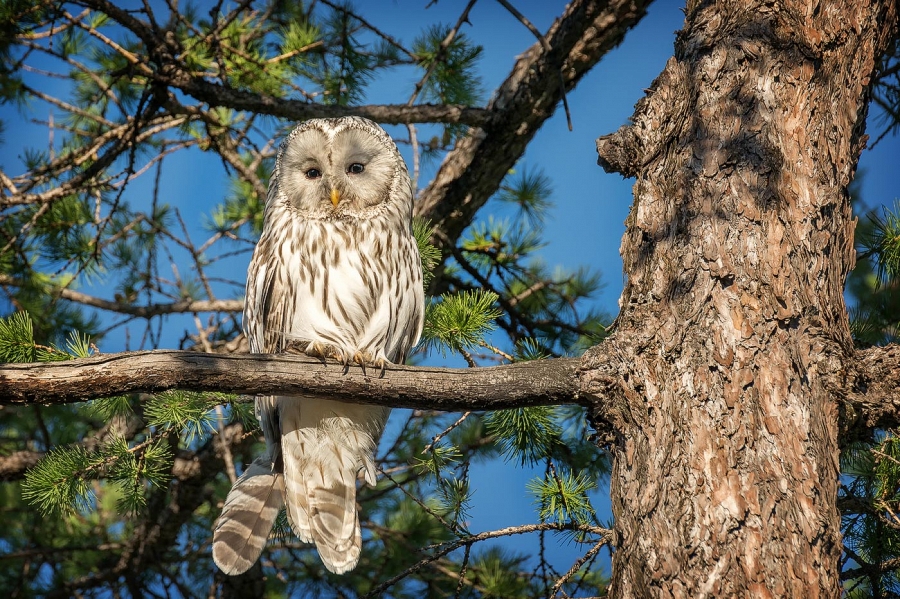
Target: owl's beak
335,197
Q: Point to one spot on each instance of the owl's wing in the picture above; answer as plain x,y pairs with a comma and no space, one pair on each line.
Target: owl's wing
410,317
268,301
258,495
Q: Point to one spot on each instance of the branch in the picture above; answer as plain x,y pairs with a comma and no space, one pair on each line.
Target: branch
145,311
156,529
151,310
540,382
170,71
870,391
473,171
442,549
14,465
216,95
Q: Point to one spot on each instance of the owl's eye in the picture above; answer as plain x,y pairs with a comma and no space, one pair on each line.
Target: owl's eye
356,168
313,173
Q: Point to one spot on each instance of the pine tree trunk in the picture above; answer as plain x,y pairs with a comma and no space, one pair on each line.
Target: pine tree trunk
736,252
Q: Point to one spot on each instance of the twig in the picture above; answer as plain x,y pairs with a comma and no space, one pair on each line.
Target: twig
462,571
443,549
445,432
562,83
468,358
421,504
439,56
371,28
496,350
414,142
577,566
224,446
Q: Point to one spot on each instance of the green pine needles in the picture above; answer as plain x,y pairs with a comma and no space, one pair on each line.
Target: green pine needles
62,482
869,495
526,435
459,322
17,343
493,300
564,498
70,478
429,255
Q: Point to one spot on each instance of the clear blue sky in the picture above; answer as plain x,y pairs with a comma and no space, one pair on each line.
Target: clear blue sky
590,206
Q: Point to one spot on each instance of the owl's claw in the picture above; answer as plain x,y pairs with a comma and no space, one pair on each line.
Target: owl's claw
323,351
367,358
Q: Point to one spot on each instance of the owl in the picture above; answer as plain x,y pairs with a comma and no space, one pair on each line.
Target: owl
336,274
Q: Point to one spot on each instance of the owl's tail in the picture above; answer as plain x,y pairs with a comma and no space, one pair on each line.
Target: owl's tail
247,518
321,462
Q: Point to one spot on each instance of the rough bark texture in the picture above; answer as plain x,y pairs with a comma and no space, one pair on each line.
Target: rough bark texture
870,390
733,320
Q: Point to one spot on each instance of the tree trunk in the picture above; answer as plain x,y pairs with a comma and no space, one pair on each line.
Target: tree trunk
736,251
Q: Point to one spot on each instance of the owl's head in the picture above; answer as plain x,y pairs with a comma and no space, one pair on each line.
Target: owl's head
334,168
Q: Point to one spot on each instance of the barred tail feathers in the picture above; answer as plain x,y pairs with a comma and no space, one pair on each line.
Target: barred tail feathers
247,517
325,444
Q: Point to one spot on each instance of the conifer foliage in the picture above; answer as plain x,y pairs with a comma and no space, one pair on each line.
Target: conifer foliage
96,252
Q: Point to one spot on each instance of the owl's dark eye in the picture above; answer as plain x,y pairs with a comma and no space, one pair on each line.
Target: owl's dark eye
313,173
356,168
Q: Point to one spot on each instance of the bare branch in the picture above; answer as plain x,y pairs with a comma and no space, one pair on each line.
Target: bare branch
443,549
472,172
540,382
145,311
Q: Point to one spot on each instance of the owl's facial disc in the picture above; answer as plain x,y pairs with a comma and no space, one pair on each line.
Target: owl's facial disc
336,175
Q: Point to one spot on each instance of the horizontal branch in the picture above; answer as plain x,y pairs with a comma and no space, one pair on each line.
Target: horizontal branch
216,95
151,310
169,70
540,382
869,392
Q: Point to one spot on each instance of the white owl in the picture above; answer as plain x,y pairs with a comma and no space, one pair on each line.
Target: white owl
337,273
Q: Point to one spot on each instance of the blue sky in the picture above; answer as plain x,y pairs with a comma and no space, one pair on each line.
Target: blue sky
587,222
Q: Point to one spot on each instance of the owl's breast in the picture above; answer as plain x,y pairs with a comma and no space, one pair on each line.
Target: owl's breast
350,290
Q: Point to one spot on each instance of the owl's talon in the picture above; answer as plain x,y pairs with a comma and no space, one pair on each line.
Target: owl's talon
361,358
322,351
366,359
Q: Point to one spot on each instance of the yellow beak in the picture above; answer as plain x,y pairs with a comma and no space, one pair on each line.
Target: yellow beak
335,197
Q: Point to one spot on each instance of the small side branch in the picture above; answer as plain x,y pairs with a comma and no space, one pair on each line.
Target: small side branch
870,390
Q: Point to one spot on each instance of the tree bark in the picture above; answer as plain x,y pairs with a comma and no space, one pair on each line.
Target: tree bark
733,321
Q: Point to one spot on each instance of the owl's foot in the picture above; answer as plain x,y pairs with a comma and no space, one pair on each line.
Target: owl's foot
323,351
366,358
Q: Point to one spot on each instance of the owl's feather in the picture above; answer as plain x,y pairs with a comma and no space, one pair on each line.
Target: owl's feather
323,452
344,279
247,518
